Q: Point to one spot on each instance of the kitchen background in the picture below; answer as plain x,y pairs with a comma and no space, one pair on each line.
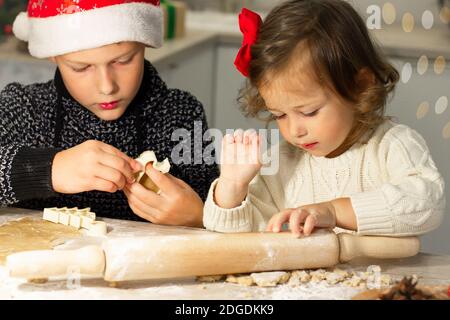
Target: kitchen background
414,33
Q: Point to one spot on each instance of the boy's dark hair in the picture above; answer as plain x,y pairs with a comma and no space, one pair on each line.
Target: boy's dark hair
340,47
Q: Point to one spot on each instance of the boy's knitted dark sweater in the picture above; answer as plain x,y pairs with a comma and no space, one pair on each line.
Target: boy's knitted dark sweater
39,120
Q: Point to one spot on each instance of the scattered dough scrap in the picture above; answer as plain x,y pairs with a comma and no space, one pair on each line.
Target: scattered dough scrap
295,278
244,280
318,275
298,277
270,279
336,276
355,281
386,280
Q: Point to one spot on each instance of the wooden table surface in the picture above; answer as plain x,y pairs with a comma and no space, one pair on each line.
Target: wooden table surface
431,269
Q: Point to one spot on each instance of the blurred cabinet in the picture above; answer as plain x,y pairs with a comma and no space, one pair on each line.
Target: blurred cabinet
192,71
25,72
227,113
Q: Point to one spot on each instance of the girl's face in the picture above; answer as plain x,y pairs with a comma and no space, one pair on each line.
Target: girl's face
308,115
104,80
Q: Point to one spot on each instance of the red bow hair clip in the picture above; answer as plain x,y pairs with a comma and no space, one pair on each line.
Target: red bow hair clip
249,22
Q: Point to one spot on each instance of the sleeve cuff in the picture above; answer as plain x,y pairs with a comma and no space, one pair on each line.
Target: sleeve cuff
237,219
31,174
372,214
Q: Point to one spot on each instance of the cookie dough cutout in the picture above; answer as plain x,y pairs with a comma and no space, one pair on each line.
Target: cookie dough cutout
76,218
142,178
28,234
97,228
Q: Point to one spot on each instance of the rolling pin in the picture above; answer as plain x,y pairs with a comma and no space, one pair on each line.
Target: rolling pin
176,256
37,264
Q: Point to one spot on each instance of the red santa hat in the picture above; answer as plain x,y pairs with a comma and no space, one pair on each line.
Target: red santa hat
56,27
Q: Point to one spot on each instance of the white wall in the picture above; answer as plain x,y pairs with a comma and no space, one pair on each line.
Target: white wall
416,7
428,87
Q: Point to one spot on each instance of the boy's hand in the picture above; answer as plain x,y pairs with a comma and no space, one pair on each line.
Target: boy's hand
177,204
304,219
240,163
92,165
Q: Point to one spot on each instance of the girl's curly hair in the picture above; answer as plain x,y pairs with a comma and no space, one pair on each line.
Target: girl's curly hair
340,47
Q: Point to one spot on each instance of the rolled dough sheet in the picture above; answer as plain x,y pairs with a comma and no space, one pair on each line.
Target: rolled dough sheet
32,234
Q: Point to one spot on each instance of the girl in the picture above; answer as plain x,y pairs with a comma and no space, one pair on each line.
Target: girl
71,141
343,164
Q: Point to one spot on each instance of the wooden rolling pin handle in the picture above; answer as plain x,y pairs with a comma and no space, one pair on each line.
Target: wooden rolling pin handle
352,246
89,261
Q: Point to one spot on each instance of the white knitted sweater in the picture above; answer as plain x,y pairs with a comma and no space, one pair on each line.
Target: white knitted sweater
392,181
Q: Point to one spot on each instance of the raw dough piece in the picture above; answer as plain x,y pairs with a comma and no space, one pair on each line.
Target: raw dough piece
298,277
97,228
244,280
342,273
336,276
386,280
32,234
354,281
318,275
301,277
270,279
142,178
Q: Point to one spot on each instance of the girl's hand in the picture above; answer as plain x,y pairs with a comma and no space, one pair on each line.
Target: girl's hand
240,157
304,219
177,204
92,165
240,163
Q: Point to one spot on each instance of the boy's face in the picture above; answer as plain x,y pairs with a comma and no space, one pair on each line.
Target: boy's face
104,80
309,116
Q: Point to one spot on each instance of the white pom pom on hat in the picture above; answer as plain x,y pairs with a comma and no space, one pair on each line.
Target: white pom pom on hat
21,26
